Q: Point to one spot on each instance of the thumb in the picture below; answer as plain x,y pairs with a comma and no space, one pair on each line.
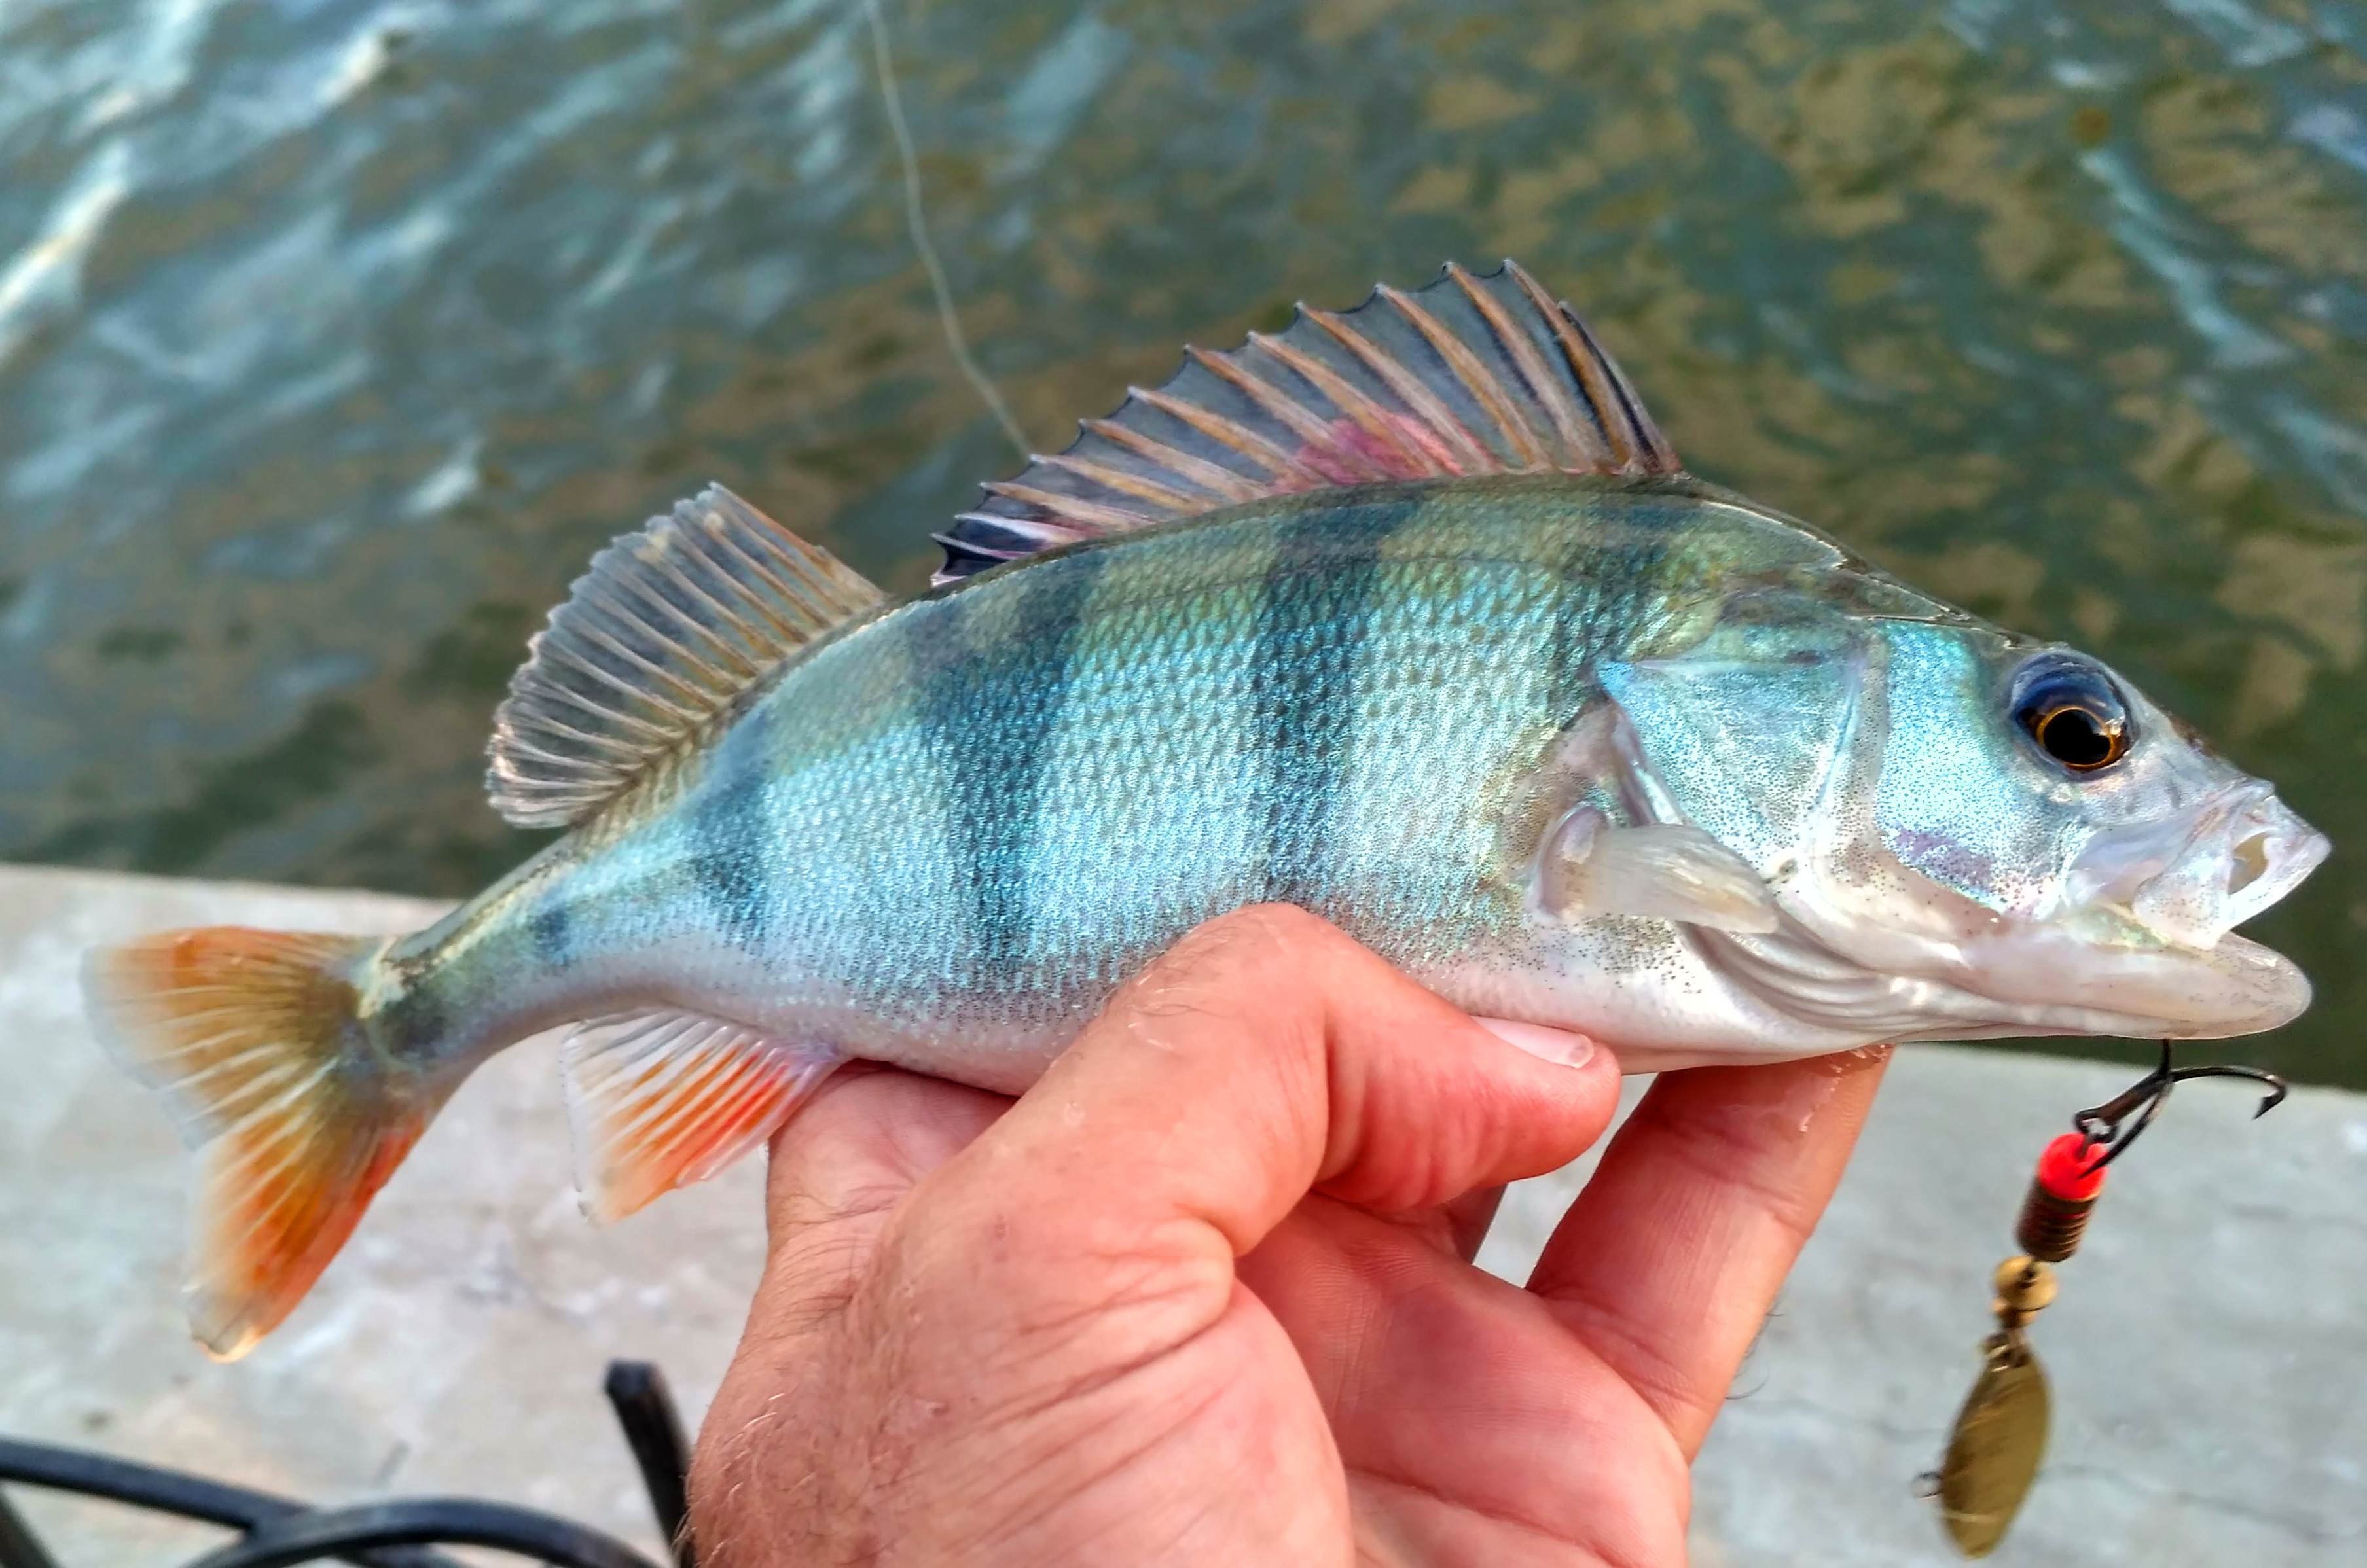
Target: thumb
1036,1339
1265,1055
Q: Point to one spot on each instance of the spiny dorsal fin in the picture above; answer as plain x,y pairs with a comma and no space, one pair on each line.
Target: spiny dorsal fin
668,626
1471,375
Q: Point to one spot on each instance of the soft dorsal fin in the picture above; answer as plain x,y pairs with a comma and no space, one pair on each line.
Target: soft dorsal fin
666,629
1470,375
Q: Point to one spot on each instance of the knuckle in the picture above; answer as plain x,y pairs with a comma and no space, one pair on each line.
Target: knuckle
1234,967
1261,937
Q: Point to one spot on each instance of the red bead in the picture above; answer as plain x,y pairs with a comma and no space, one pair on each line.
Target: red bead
2072,1168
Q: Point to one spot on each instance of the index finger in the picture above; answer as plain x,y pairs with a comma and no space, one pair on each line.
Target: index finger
1670,1258
1265,1055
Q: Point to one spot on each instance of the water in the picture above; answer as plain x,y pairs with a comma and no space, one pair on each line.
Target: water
335,337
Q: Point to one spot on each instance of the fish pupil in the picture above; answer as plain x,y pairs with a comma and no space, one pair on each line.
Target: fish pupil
2077,738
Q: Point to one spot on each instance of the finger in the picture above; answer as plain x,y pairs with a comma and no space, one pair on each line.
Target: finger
838,1169
868,1135
867,1138
1265,1055
1670,1259
1268,1054
1441,1383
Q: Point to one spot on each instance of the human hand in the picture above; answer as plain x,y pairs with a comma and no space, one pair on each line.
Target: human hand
1202,1294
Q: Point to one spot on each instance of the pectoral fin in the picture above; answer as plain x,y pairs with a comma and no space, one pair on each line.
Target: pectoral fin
1588,867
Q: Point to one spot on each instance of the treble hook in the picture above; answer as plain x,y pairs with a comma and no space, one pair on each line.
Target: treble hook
2101,1125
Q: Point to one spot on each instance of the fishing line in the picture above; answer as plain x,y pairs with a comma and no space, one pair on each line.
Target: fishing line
915,222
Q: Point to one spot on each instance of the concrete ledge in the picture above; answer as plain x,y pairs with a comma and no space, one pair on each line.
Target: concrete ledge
2208,1353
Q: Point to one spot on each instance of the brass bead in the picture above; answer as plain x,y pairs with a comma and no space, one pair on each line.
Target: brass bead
2024,1287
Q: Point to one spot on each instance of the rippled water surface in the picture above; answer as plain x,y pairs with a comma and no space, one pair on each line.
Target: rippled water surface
335,337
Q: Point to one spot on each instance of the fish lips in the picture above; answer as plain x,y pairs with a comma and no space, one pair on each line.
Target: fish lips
2063,981
2138,945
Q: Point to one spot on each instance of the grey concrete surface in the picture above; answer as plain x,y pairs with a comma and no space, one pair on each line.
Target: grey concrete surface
2209,1353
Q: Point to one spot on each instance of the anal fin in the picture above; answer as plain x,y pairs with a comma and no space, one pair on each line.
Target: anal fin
661,1099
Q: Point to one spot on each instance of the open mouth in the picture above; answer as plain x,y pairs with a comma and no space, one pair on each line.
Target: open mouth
2189,880
2141,945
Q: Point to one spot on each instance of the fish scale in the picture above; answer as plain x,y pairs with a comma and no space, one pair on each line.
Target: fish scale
1405,615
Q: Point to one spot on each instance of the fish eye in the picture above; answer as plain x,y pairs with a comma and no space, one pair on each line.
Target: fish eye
2071,712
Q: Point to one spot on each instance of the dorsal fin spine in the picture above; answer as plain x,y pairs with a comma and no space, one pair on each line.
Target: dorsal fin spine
1443,443
1542,388
1118,480
1470,375
1266,396
1213,477
1628,438
1232,433
1083,511
1483,390
1578,349
1368,416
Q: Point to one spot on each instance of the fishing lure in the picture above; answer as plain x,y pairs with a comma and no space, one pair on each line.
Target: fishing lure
1999,1438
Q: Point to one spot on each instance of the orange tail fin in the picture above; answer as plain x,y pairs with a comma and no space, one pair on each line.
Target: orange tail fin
252,1039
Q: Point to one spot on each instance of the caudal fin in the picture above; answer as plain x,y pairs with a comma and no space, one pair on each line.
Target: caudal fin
252,1038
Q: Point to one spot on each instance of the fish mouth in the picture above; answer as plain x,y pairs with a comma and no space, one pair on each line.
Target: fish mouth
2188,880
2150,911
2014,978
2139,945
2143,942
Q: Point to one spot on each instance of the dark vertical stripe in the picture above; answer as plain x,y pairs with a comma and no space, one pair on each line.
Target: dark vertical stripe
1313,615
993,704
1574,609
1610,573
727,863
551,928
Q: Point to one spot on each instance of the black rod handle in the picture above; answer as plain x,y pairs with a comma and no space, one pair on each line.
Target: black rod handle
645,1409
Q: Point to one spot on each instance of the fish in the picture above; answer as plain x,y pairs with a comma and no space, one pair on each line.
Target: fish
1407,616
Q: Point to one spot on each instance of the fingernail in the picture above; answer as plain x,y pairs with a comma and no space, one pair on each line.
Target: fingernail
1549,1044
